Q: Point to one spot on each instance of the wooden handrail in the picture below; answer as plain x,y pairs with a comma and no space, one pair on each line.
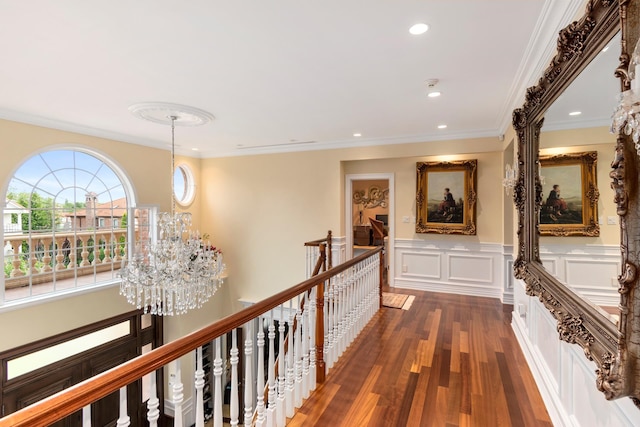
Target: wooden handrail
74,398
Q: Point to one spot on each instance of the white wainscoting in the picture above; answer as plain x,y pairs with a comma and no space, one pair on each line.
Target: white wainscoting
480,269
486,269
590,270
565,378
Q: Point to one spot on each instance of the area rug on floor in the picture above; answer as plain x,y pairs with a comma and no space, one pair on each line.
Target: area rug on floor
393,300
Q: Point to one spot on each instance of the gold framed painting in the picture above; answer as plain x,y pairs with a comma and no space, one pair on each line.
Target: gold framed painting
569,205
446,197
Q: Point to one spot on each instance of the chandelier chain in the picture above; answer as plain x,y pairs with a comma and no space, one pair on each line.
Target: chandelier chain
177,272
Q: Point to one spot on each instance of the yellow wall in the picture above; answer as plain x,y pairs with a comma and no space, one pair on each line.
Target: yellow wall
489,191
260,209
152,187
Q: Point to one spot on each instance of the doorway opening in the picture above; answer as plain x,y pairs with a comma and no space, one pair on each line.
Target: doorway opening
369,201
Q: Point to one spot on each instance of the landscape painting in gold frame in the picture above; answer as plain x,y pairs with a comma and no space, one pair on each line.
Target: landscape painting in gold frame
569,195
446,197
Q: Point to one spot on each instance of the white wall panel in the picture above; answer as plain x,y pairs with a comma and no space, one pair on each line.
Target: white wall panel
550,264
565,378
546,339
421,265
451,267
485,269
591,270
471,268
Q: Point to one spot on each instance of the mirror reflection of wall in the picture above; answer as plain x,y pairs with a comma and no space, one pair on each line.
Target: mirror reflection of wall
579,121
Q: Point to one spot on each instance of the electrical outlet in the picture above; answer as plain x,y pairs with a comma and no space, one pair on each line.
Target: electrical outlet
612,220
522,310
405,268
405,219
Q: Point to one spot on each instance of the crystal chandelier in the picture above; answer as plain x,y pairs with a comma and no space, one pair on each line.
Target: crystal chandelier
180,271
626,117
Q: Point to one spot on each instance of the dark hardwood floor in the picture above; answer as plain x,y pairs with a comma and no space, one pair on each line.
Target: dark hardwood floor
449,360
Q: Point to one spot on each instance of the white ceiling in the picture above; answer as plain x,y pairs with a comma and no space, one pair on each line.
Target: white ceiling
275,74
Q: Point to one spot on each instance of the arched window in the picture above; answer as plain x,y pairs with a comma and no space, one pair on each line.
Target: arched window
73,211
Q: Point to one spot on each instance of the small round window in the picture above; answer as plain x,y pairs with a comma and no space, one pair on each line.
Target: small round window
183,185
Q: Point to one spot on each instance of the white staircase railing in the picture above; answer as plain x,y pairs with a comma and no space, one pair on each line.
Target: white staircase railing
286,339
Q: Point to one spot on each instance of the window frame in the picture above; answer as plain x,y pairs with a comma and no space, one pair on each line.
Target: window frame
129,195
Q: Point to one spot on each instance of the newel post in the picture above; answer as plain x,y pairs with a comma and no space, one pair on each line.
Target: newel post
320,365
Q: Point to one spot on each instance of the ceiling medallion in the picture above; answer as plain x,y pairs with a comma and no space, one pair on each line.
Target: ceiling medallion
162,113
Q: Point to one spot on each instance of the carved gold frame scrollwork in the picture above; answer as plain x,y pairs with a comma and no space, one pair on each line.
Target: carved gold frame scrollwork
469,198
615,349
589,190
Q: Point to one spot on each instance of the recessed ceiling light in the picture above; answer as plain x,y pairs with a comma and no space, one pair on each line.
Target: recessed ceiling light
442,126
575,113
418,29
194,149
357,134
434,94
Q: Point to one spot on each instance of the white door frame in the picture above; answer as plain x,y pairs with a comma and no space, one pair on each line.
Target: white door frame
348,216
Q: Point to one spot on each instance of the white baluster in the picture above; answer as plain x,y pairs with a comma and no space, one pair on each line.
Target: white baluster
351,313
178,397
328,327
374,271
365,298
305,347
260,419
337,313
271,396
289,397
297,348
123,419
234,405
86,416
199,383
346,315
312,339
217,378
248,375
340,305
373,283
280,403
153,404
354,295
365,283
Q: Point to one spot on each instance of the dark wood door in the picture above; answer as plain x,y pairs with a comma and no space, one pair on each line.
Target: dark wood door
21,391
23,394
105,411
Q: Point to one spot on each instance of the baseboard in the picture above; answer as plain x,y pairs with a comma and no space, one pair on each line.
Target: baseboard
557,413
448,288
507,297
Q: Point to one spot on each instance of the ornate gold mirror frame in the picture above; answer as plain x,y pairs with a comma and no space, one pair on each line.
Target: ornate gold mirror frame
615,350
